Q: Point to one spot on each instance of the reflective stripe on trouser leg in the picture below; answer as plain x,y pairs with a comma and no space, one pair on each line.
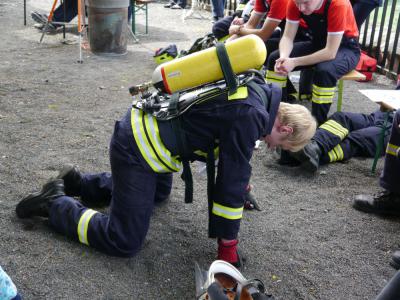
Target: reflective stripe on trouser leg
227,212
276,78
322,95
225,221
335,128
322,98
336,154
392,150
84,224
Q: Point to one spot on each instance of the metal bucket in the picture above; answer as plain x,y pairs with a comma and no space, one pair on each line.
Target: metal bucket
108,26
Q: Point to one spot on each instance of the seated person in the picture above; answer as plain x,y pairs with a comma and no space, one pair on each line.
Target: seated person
344,136
71,11
333,50
64,13
275,11
269,29
220,28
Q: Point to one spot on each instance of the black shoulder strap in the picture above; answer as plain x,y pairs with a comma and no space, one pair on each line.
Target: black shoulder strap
327,4
226,68
211,188
183,148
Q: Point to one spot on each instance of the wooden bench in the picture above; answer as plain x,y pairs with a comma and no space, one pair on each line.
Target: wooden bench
137,6
352,75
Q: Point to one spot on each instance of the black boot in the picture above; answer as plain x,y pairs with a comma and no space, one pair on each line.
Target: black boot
395,263
309,156
38,204
72,180
384,203
287,159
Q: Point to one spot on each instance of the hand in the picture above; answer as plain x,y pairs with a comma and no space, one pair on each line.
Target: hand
234,29
279,66
238,21
284,65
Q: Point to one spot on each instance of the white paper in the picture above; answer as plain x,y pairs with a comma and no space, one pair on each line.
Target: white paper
390,98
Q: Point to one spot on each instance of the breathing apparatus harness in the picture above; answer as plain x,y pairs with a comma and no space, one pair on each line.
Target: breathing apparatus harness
170,107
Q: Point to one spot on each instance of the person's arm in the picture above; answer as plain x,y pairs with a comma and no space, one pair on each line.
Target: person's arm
325,54
286,45
286,42
264,32
235,31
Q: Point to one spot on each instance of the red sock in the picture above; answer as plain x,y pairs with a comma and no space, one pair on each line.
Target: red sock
227,251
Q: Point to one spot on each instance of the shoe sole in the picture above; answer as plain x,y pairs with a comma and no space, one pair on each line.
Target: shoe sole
394,264
367,209
38,18
24,207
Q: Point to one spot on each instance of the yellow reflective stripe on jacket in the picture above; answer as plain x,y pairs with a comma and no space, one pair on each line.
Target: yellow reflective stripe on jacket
392,149
336,154
241,93
322,95
146,134
278,79
154,135
335,128
227,212
83,225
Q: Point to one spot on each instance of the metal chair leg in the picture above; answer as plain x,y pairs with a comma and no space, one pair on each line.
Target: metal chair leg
340,95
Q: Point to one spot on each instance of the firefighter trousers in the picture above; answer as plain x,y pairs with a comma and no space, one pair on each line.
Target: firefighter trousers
391,171
324,77
132,191
346,135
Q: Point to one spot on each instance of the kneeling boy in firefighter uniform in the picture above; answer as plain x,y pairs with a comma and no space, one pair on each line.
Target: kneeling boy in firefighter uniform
144,153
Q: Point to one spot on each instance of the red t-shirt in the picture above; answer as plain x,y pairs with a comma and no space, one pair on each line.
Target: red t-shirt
277,8
340,17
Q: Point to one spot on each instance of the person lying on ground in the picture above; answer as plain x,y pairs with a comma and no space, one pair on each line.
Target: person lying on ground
343,136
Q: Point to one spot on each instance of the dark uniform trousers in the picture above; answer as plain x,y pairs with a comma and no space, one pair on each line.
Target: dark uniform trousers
391,171
325,74
143,156
134,191
346,135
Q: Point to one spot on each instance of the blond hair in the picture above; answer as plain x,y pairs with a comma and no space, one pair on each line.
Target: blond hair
301,121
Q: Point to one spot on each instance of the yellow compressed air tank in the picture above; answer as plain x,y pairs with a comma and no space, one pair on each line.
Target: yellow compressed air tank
202,67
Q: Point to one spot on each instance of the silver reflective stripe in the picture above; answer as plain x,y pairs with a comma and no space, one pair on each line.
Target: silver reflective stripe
160,148
392,149
83,225
227,212
145,149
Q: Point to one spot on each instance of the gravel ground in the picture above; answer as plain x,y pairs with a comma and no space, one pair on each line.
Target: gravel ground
307,243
